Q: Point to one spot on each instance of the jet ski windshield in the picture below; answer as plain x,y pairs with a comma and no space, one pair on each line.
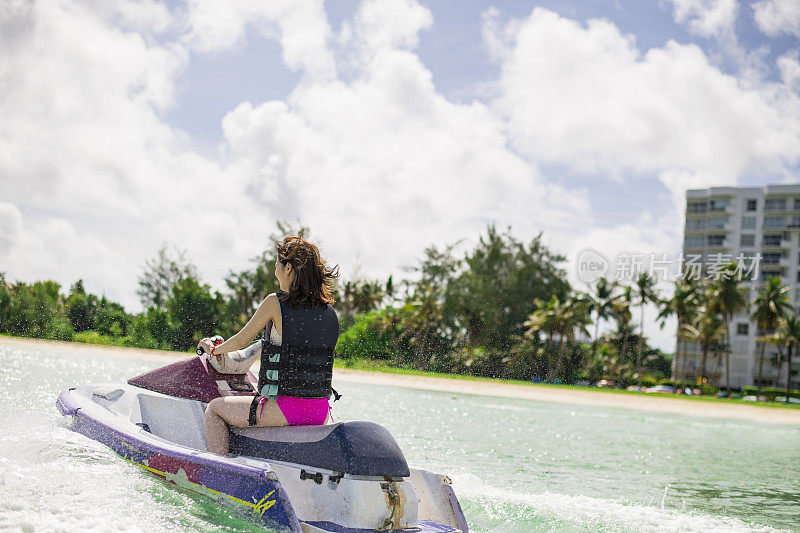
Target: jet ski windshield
195,379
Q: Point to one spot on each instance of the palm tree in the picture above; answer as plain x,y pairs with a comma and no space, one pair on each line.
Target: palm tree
787,334
645,293
709,331
575,318
601,303
791,330
684,305
727,298
546,320
771,303
558,322
621,312
423,325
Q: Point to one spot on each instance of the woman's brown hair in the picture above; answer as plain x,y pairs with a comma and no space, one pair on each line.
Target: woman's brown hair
312,285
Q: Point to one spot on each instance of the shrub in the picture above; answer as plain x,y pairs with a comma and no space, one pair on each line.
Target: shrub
647,381
771,392
364,340
59,328
95,337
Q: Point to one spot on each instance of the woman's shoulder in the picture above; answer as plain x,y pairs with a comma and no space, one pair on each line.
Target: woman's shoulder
272,301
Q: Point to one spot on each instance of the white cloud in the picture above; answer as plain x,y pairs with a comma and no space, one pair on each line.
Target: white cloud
53,248
775,17
301,27
709,18
586,96
10,227
716,19
83,150
145,16
790,69
389,159
79,114
385,24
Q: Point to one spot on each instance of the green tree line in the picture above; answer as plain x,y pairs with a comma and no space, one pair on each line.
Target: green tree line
500,308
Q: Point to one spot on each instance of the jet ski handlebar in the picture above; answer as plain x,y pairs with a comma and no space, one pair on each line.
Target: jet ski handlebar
216,340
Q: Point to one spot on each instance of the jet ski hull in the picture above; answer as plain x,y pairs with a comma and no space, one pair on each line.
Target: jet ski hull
262,491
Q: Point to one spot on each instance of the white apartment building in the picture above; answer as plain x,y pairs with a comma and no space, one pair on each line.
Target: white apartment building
748,221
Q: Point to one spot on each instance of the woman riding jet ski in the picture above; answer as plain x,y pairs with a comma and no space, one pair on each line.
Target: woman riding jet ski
294,382
206,425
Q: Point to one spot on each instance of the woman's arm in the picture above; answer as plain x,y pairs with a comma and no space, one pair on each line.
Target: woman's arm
268,310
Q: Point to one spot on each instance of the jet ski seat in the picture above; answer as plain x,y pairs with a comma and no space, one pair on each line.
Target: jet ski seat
356,448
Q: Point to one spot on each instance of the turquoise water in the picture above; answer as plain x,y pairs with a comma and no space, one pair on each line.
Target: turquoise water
516,465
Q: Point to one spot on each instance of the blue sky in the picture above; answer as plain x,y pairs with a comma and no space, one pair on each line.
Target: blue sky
385,125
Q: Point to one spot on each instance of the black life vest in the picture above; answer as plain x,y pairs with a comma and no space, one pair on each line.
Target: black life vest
302,365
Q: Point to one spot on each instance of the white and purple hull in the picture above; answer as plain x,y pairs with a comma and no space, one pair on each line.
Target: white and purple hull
347,477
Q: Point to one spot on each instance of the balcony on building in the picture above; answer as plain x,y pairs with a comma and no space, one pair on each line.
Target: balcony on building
720,205
716,241
781,204
695,208
718,224
773,272
794,223
775,259
775,240
774,223
694,242
695,225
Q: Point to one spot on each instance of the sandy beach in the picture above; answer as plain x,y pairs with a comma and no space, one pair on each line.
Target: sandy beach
680,406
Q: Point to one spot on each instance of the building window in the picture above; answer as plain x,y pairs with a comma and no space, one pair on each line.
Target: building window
696,207
752,205
774,222
766,274
694,241
741,329
717,205
771,258
748,222
797,204
716,240
775,204
694,224
772,240
716,223
748,239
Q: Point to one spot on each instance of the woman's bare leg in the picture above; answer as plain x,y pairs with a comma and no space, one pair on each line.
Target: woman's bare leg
234,411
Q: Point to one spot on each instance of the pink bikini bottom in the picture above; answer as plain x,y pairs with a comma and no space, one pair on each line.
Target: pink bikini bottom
303,411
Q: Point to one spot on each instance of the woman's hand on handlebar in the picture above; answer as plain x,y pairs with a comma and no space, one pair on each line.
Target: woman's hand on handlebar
204,346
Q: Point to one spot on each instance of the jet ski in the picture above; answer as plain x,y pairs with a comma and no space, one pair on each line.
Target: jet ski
339,477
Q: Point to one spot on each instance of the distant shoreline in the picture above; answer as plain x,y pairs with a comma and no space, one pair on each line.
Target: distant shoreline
590,397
